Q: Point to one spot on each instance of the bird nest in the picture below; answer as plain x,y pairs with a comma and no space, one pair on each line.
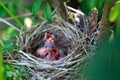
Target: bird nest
69,39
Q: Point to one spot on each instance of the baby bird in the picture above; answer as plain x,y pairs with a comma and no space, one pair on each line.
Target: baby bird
48,52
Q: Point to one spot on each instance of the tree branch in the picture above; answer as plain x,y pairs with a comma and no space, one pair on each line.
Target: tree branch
105,23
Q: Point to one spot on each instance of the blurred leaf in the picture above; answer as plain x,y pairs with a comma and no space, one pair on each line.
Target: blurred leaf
7,67
9,40
9,74
25,6
6,41
1,65
114,12
99,3
2,12
10,32
104,65
16,78
11,7
14,71
92,3
87,5
11,14
9,47
47,12
36,6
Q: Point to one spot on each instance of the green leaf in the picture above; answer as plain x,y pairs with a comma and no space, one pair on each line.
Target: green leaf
87,5
8,74
105,64
16,78
11,7
91,3
9,35
36,6
7,67
6,41
9,47
114,12
2,12
99,3
85,8
11,14
47,12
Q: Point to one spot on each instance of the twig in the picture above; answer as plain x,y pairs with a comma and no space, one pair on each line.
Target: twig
6,22
77,11
22,15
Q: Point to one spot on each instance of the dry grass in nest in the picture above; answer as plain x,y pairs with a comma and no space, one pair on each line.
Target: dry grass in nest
69,39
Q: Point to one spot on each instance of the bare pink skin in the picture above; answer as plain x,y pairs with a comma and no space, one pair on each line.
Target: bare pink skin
48,52
42,51
45,52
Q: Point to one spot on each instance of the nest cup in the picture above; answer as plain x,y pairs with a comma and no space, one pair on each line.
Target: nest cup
70,41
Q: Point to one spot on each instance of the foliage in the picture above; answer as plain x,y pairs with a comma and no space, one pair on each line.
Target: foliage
114,12
47,9
105,64
11,14
1,65
36,6
91,4
8,43
47,12
2,12
14,72
9,40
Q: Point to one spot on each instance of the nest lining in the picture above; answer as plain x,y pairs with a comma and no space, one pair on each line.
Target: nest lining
69,39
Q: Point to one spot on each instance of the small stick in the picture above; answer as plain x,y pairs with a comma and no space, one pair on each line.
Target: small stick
6,22
77,11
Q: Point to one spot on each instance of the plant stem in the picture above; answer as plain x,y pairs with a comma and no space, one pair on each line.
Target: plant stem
4,21
1,66
12,15
105,23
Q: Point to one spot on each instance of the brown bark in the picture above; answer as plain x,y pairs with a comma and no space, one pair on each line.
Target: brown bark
105,23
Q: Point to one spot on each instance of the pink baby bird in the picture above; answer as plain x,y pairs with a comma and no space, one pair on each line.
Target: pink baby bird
47,52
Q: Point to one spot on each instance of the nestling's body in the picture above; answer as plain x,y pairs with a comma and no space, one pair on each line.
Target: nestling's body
48,52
